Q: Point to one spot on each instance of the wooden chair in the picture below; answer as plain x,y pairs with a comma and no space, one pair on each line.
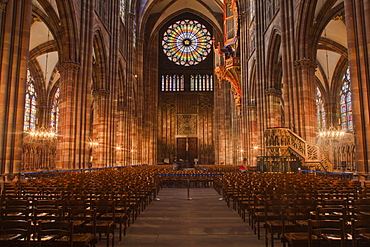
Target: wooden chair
14,213
55,233
96,226
121,216
17,203
301,239
277,224
46,203
47,214
15,233
106,214
323,213
332,232
360,208
360,232
258,214
84,227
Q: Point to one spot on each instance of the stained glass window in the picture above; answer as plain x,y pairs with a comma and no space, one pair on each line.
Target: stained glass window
320,110
173,83
346,103
122,10
201,83
55,113
30,108
252,9
134,32
187,42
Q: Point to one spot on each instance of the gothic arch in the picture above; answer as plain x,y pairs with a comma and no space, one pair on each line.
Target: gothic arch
62,25
274,72
338,79
306,14
68,35
39,82
325,16
52,92
252,87
310,27
216,31
99,63
122,91
51,20
36,71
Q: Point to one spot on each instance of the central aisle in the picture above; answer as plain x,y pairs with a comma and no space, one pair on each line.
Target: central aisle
200,222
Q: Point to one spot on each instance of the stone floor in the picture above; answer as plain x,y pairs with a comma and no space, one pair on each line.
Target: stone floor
175,221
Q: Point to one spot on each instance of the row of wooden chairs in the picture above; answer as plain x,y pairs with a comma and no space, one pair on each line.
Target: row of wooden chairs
44,233
267,198
116,197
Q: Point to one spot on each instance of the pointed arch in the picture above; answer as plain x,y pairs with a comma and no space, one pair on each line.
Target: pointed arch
99,63
274,74
30,108
122,92
54,112
252,87
69,36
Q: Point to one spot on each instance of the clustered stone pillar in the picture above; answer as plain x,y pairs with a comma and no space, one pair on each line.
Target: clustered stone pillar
358,35
101,115
306,123
66,152
15,22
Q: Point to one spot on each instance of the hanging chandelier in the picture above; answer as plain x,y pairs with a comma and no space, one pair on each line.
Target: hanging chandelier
332,133
42,134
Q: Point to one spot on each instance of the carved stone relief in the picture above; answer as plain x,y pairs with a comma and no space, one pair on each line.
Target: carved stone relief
186,124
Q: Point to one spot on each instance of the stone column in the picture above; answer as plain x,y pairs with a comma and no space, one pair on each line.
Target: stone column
101,118
15,23
305,87
358,35
274,113
255,144
131,143
66,152
288,43
120,149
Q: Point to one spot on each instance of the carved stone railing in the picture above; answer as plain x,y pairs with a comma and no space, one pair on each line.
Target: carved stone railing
284,142
38,154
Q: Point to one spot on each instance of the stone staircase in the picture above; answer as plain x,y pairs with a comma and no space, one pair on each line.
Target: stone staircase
284,142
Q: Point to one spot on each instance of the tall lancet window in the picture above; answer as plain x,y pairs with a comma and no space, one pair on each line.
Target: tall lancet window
321,117
54,119
134,32
122,10
252,9
346,103
30,108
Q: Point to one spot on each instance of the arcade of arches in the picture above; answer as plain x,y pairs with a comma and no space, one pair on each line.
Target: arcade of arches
282,84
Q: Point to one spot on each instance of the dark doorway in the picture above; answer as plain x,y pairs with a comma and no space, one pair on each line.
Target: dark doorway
187,149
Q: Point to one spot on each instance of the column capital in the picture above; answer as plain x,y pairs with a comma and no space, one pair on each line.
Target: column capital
273,91
100,92
3,5
121,107
305,62
131,15
67,65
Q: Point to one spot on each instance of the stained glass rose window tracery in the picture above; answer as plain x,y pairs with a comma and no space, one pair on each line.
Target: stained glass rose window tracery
187,42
